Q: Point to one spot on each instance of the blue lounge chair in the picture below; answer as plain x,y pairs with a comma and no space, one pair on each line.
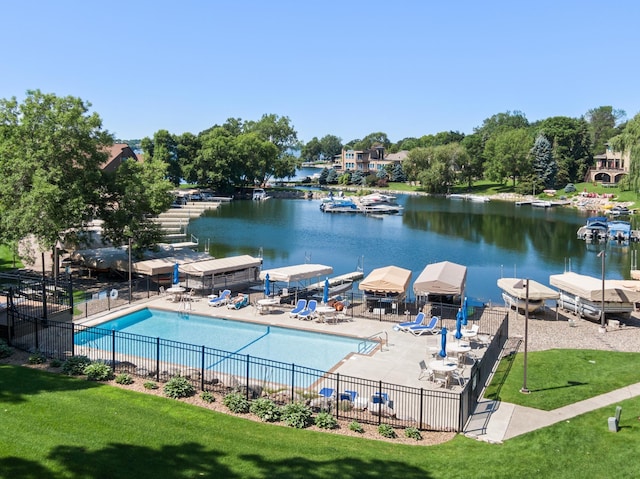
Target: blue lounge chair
300,307
327,392
429,328
348,396
222,299
309,311
238,302
416,322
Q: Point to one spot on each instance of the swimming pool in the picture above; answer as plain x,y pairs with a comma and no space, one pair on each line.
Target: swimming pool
304,348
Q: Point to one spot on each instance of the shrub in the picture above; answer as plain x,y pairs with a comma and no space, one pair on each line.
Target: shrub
150,385
324,420
179,387
55,363
98,372
355,426
296,415
236,402
74,366
37,358
5,349
124,378
412,433
207,397
386,431
265,409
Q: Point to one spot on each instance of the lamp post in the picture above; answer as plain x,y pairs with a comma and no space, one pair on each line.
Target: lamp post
524,389
129,269
603,329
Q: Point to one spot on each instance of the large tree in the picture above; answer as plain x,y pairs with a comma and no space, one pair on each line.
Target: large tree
331,146
312,150
509,155
603,122
629,141
544,165
51,149
164,147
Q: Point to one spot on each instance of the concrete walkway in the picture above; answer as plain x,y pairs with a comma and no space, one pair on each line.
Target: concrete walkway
496,421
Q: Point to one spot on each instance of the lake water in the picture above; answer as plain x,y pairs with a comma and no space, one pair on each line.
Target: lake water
493,240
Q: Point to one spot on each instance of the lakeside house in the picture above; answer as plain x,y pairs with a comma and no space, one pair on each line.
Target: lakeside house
610,167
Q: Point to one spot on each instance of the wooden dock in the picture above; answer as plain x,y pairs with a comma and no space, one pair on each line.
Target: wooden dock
336,280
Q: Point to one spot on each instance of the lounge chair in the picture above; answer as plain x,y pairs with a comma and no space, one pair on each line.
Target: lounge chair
428,328
416,322
222,299
309,311
327,392
300,307
348,396
238,302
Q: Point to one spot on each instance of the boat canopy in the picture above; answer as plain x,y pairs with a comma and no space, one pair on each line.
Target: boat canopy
298,272
590,288
389,279
220,265
518,289
443,278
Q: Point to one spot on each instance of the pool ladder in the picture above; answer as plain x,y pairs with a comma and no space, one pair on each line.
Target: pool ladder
363,345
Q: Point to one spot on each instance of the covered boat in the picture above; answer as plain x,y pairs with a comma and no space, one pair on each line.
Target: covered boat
515,294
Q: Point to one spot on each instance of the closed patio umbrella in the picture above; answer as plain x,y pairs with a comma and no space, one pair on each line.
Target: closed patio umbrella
267,286
459,316
443,344
325,292
176,274
464,311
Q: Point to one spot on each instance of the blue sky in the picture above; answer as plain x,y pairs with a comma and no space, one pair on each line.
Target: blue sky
346,68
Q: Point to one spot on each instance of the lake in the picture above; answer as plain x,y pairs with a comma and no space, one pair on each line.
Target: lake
493,240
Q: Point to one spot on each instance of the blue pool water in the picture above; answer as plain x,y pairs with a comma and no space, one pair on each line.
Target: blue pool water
303,348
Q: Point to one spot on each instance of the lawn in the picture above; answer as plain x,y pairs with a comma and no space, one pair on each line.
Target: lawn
54,426
559,377
8,260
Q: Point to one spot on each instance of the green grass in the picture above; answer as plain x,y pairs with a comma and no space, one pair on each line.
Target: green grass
559,377
54,426
8,260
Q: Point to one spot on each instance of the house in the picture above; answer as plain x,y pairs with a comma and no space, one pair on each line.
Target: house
118,153
610,167
367,161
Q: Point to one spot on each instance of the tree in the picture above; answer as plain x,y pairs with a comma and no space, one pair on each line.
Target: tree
602,126
164,147
509,155
371,140
475,168
332,177
312,151
501,122
397,174
51,150
544,166
331,146
187,147
324,174
629,141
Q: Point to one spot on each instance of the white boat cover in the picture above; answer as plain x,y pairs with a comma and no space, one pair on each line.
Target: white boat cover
152,267
220,265
443,278
518,289
590,288
299,272
389,279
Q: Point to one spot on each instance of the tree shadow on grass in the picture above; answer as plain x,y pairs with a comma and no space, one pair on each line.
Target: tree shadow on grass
193,460
569,384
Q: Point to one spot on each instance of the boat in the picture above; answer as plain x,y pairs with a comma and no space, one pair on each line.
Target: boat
522,304
583,295
377,198
260,195
596,229
619,210
619,231
378,209
541,203
478,198
525,295
456,196
340,205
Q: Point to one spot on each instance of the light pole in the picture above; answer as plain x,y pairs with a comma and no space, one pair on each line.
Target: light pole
602,254
129,269
524,389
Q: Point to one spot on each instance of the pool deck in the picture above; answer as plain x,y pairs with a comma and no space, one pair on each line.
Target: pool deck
396,361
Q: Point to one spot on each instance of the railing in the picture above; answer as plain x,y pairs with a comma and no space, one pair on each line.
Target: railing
362,345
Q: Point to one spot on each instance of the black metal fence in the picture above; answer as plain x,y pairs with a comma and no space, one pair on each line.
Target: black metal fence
363,400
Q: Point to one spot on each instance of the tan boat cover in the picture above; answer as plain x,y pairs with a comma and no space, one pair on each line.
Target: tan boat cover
389,279
590,288
444,278
518,289
299,272
220,265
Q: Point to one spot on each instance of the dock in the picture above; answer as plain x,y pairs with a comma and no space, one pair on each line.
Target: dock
336,280
174,221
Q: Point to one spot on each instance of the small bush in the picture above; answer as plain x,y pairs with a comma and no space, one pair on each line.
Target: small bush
124,378
150,385
355,426
37,358
413,433
296,415
5,349
55,363
265,409
74,366
324,420
207,397
98,372
386,431
236,403
179,387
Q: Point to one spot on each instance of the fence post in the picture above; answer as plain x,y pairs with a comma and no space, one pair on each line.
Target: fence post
380,404
293,379
37,338
247,380
158,359
202,371
73,338
337,395
421,420
113,349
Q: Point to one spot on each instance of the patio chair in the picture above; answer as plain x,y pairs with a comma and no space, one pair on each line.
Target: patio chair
472,332
300,307
425,372
240,301
327,392
222,299
309,312
416,322
425,329
348,395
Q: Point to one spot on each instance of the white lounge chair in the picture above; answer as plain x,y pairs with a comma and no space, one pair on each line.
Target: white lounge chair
416,322
428,328
310,311
222,299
